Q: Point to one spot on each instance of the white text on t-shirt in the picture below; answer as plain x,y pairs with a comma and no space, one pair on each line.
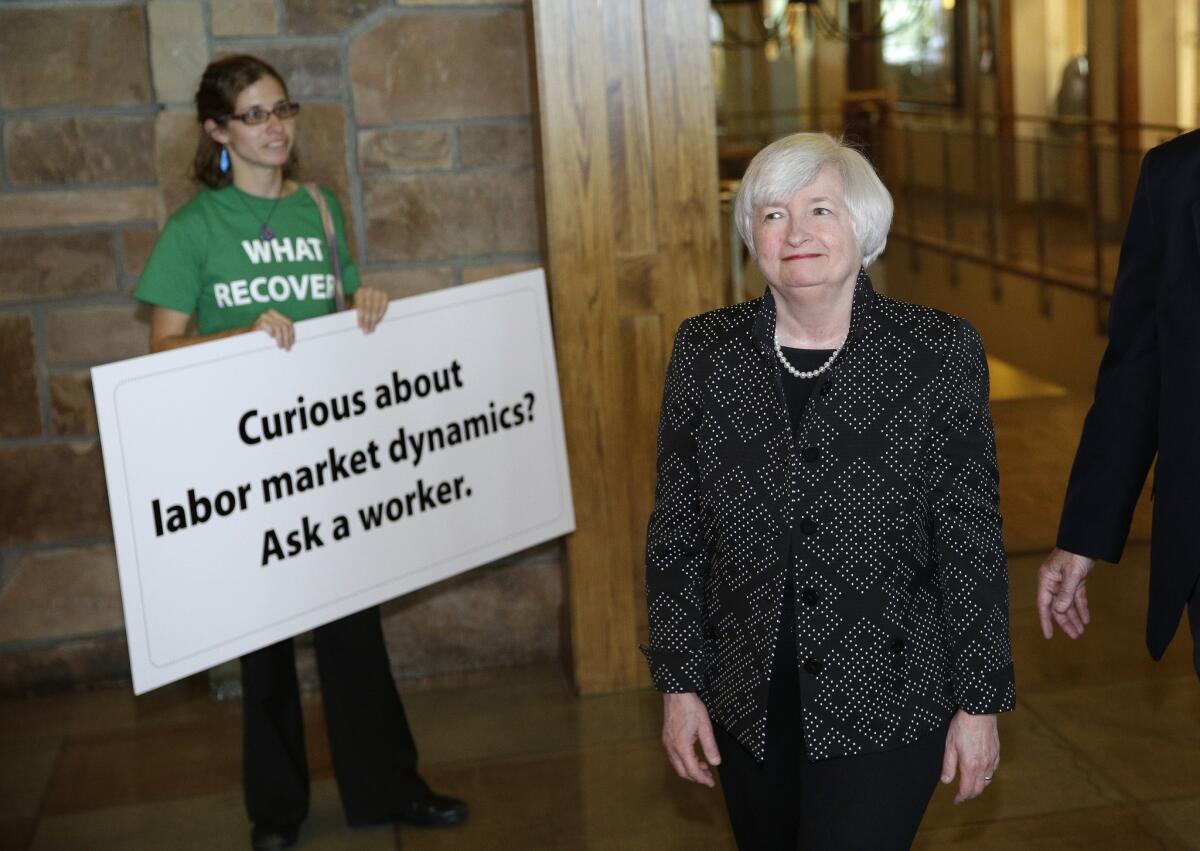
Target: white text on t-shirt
278,250
276,288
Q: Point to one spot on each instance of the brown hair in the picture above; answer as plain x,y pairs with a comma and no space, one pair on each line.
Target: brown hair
216,99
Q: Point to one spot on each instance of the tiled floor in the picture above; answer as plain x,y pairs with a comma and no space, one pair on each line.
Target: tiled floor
1103,752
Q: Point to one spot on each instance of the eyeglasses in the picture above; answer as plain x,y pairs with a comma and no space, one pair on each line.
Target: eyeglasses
258,115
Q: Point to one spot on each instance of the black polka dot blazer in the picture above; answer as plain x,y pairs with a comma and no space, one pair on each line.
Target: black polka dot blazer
884,504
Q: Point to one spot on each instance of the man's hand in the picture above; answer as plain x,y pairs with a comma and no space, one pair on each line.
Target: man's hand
684,721
1062,593
973,751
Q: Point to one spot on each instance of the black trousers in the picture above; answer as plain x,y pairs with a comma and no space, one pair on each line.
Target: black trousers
872,802
374,755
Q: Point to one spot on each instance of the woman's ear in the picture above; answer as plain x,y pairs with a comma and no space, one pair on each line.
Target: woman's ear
216,132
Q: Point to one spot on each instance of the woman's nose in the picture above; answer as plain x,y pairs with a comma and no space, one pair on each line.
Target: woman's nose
797,233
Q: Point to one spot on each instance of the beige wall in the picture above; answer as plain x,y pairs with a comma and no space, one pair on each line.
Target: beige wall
1186,14
417,113
1014,327
1168,64
1158,94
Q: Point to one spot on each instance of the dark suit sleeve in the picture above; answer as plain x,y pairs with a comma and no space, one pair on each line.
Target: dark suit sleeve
677,558
1120,434
972,570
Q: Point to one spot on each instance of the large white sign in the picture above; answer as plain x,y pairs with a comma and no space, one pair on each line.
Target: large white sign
257,493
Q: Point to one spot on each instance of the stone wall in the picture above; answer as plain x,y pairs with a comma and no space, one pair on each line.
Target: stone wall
416,112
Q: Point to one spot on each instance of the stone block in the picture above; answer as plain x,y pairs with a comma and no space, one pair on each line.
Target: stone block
244,17
474,274
76,207
74,56
310,70
178,48
72,405
176,133
431,66
463,2
65,593
54,151
20,415
326,16
321,147
495,144
52,493
450,215
95,335
417,149
401,283
498,615
136,246
96,661
40,266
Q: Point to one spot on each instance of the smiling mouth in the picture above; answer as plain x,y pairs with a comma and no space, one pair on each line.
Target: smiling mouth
801,256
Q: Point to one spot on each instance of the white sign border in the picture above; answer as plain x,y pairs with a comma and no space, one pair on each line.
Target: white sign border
530,283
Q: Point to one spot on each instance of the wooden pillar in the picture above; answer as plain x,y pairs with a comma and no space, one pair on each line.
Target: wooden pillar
864,56
1006,127
628,141
1129,138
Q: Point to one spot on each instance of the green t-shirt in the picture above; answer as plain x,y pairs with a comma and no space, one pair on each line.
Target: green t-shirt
211,260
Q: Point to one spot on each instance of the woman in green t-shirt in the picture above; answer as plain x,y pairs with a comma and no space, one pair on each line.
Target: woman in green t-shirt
249,253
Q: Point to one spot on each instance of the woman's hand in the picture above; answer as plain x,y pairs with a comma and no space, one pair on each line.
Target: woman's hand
684,721
973,749
278,326
370,304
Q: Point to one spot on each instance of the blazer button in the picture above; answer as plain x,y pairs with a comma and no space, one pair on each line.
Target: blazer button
813,666
808,526
811,454
809,596
898,645
710,633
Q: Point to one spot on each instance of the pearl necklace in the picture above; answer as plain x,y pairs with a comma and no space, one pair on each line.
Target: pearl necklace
812,373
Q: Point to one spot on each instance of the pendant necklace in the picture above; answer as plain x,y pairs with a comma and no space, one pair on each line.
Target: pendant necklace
265,232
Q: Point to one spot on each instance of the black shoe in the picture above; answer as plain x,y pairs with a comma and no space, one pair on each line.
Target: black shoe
273,838
429,809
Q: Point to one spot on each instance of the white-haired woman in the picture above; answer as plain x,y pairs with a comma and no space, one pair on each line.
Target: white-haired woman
825,574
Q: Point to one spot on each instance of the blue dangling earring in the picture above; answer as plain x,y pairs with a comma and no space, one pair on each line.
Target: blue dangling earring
224,161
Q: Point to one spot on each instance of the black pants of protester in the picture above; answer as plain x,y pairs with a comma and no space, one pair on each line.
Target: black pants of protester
872,802
374,755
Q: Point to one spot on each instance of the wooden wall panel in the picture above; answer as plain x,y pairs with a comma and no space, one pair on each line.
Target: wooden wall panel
1129,110
629,131
679,74
643,342
632,234
576,176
